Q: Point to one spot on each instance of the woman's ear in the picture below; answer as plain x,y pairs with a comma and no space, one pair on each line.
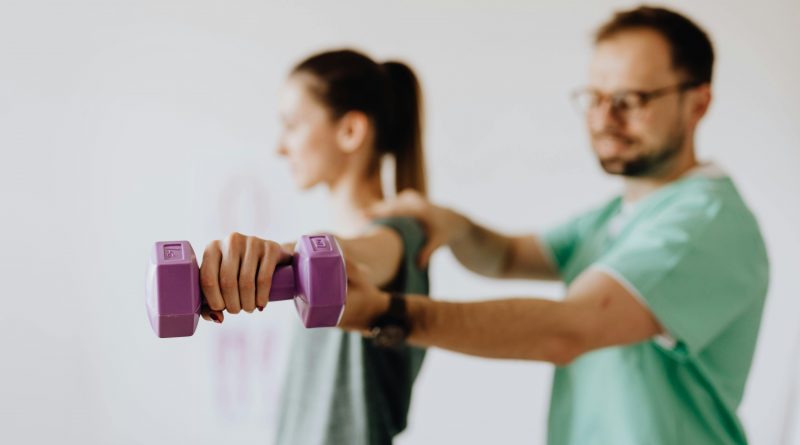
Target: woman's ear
352,131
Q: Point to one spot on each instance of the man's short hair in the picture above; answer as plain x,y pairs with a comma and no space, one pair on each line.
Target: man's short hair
692,52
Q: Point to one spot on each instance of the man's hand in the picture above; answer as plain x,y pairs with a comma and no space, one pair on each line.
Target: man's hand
442,225
365,302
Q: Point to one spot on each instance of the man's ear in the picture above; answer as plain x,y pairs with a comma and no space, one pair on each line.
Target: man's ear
352,131
701,102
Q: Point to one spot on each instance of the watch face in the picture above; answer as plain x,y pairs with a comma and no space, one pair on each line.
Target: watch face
389,336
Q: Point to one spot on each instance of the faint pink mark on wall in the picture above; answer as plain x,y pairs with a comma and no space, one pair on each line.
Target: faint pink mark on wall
270,369
232,372
243,206
245,371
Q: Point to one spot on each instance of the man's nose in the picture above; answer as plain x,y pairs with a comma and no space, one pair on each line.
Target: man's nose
604,116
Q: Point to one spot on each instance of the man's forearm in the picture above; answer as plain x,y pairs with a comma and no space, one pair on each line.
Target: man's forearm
529,328
479,249
496,255
598,311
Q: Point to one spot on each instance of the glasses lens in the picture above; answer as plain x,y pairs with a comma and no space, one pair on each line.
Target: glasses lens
585,100
628,101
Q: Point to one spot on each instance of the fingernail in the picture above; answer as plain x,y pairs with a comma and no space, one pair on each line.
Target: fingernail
260,308
215,317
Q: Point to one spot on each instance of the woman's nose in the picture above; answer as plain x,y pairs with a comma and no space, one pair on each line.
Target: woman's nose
280,149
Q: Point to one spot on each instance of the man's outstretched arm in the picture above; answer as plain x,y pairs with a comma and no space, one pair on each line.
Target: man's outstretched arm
482,250
597,312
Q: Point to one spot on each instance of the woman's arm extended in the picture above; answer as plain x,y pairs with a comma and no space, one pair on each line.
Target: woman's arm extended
380,250
236,274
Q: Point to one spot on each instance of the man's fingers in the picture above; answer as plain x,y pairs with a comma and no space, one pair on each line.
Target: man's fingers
383,209
427,251
406,203
409,195
425,254
209,276
430,247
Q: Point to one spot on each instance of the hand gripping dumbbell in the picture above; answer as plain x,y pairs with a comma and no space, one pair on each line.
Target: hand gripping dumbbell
316,280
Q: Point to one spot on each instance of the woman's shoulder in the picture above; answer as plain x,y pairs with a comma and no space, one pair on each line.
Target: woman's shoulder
410,229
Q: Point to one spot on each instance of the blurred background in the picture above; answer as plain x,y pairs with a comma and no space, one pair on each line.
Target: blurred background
127,122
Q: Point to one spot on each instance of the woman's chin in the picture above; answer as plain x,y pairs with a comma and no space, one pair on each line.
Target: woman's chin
304,184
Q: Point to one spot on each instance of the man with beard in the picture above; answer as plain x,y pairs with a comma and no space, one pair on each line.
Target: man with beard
665,283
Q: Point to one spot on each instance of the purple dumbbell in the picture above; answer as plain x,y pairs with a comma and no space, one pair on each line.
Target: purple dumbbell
316,280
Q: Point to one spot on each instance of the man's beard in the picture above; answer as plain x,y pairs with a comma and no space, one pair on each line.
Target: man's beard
649,163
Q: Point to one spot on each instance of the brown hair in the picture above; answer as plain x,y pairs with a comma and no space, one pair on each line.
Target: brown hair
692,51
388,93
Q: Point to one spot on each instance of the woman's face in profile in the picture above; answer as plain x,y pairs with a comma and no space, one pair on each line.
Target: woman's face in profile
308,135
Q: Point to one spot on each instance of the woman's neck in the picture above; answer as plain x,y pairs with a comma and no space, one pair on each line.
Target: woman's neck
351,196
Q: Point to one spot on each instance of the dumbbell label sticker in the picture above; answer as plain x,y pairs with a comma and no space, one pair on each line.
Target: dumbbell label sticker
320,243
173,252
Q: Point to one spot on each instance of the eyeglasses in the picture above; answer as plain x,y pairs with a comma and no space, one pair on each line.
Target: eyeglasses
625,102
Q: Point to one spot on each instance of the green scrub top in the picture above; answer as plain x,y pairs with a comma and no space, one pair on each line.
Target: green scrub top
692,252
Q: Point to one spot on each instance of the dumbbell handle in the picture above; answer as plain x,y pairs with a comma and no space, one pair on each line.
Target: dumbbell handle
283,284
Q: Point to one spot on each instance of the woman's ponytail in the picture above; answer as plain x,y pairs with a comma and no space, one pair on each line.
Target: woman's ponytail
403,135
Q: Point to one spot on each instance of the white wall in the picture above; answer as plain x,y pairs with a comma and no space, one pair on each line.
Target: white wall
126,122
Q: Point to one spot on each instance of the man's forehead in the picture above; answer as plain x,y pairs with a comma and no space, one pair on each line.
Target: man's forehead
637,59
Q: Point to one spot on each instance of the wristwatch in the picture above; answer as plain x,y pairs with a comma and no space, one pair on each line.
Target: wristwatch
391,329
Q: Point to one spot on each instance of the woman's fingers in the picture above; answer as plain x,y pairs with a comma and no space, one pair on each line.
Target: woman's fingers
209,276
229,272
237,275
211,315
254,249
